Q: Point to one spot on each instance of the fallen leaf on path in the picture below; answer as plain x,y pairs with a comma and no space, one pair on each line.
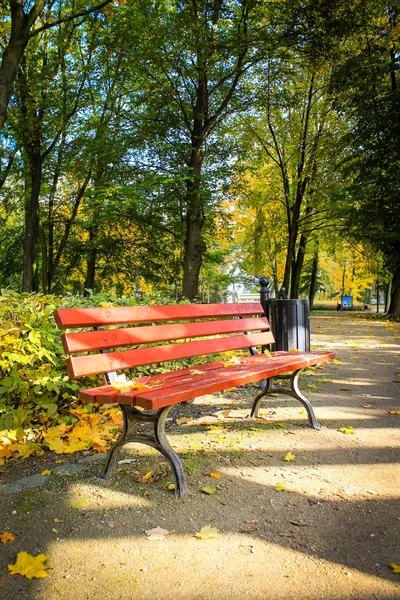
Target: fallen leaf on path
207,532
250,530
45,472
367,406
252,522
58,520
206,489
183,420
354,358
29,566
394,412
345,389
298,523
158,533
289,457
347,430
280,487
171,486
396,568
215,475
6,537
54,530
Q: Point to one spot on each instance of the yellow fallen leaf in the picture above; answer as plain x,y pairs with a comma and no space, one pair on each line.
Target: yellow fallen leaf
29,566
58,520
148,475
215,475
196,372
171,486
232,361
367,406
6,537
396,568
353,358
294,350
347,430
289,457
54,530
207,533
45,472
383,360
206,489
280,488
394,412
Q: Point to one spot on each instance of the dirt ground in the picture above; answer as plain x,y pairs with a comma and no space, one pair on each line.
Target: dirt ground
332,533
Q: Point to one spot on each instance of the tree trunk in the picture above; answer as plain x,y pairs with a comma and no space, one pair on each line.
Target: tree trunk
91,263
298,267
194,244
31,240
313,282
394,308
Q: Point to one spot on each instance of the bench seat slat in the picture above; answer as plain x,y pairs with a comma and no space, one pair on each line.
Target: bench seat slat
112,338
107,394
221,379
118,315
116,361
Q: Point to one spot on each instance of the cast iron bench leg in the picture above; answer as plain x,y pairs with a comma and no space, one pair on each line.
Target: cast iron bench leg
158,441
294,392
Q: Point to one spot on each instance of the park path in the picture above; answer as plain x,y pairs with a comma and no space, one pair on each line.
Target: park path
331,533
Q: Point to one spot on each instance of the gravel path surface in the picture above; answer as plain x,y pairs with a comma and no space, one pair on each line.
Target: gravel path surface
331,533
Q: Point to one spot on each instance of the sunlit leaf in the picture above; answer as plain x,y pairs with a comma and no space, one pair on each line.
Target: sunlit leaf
289,457
347,430
207,532
6,537
396,568
29,566
215,475
280,487
45,472
206,489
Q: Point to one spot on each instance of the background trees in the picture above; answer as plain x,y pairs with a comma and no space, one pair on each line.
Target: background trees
183,144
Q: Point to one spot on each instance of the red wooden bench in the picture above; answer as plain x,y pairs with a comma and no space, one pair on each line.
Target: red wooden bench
220,327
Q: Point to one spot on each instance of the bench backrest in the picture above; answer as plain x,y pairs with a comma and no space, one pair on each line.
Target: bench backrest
235,325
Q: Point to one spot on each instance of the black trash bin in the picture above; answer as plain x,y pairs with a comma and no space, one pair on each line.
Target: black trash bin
290,324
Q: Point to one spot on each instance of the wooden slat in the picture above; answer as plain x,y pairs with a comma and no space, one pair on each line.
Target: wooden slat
221,379
94,317
115,361
112,338
107,394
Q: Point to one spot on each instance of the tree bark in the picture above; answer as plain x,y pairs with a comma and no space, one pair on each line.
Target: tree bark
31,240
313,282
394,308
91,263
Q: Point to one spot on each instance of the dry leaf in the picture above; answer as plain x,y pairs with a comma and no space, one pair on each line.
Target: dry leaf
7,537
345,389
29,566
157,533
289,457
183,420
206,489
45,472
280,488
394,412
207,532
347,430
58,520
251,530
196,372
252,522
298,523
215,475
233,361
171,486
147,476
396,568
367,406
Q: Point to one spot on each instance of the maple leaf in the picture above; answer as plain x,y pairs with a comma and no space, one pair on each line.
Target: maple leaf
56,445
280,488
206,489
396,568
289,457
157,533
207,532
232,361
75,447
6,537
29,566
347,430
